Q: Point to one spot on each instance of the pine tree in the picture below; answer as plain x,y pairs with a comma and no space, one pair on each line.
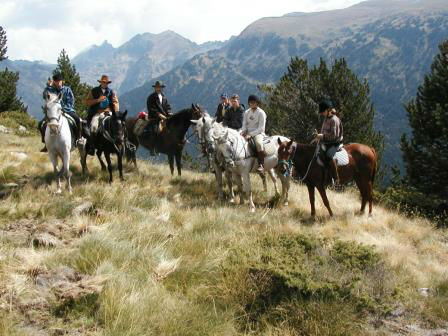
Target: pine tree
8,82
73,80
3,47
292,104
426,153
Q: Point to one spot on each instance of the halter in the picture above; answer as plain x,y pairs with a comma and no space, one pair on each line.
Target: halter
234,154
57,119
109,138
290,164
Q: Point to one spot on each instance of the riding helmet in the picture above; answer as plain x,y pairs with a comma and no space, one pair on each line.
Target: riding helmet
58,76
325,105
253,98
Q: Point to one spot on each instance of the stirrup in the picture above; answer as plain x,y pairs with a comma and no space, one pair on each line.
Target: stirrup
81,142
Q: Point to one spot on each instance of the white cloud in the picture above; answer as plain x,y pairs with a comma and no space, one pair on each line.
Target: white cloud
39,29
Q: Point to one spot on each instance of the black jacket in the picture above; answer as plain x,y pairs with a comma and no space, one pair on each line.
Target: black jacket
220,112
234,118
153,105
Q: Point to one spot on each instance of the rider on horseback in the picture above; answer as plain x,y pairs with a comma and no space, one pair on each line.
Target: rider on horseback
330,137
222,108
159,110
234,114
101,101
254,124
56,86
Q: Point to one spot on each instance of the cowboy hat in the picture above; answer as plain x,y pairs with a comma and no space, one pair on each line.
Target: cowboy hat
104,78
159,84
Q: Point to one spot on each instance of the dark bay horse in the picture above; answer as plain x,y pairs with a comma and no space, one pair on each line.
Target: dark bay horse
110,139
362,169
171,140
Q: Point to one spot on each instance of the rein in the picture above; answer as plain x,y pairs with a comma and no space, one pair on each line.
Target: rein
109,138
289,163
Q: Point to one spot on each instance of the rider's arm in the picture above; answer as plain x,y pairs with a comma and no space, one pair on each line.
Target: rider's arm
115,102
68,100
261,125
239,119
89,101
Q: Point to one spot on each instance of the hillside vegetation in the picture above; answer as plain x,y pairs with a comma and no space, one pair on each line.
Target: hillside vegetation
157,255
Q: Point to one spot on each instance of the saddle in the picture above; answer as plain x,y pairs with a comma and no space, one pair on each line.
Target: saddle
270,147
340,156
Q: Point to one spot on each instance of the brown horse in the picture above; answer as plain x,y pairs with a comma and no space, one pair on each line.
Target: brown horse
362,168
170,141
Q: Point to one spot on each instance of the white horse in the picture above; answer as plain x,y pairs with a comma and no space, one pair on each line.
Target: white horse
58,139
209,132
205,128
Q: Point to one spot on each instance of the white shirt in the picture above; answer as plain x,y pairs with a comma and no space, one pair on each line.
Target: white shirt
160,98
254,122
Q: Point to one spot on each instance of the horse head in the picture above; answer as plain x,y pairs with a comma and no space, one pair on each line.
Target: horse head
53,110
226,148
285,151
197,111
118,127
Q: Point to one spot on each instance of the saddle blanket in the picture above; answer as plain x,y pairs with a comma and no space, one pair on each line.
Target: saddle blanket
270,145
341,157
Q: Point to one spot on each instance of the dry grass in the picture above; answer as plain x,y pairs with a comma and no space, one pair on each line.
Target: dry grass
161,241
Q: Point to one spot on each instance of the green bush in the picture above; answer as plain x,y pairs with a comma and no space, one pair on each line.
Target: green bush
14,119
410,201
310,285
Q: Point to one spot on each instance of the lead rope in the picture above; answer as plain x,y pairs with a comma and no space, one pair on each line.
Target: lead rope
290,164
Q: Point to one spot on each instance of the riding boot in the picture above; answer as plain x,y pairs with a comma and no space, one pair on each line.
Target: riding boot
42,133
334,171
260,157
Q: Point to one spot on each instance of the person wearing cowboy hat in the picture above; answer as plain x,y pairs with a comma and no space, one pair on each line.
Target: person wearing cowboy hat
158,109
100,100
56,86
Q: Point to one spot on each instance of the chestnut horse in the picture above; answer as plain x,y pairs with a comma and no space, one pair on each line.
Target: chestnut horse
361,168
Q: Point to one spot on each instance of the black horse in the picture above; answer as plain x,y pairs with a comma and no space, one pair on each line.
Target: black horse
110,139
171,140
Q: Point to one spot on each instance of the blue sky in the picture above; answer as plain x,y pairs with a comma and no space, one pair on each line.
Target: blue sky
39,29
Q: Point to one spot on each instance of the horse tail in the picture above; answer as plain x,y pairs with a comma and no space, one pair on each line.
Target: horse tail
375,164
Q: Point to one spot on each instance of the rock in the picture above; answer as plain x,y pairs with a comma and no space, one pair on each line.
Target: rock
19,156
10,185
82,208
3,129
397,312
22,129
45,240
424,291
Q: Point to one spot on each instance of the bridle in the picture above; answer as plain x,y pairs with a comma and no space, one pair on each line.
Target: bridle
289,164
56,119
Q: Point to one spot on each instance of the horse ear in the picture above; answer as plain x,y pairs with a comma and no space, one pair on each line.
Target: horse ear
226,136
203,120
125,114
60,96
290,143
279,141
48,96
194,121
193,107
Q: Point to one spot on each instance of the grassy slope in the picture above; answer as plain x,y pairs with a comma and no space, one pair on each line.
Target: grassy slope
160,243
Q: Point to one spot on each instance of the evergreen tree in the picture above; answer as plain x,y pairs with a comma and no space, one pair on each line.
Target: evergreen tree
72,79
426,154
292,104
3,47
8,82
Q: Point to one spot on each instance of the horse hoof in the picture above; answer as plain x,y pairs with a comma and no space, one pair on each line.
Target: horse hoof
58,192
286,203
252,210
232,201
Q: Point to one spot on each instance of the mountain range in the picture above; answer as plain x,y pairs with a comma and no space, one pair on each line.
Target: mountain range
390,43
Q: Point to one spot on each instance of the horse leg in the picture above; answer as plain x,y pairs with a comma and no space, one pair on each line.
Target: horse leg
370,197
265,185
274,180
364,194
229,179
98,154
83,159
323,195
285,189
66,170
248,191
120,166
218,176
171,162
54,161
109,165
311,197
178,157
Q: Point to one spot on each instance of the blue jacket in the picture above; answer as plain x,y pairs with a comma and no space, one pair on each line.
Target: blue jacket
68,99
